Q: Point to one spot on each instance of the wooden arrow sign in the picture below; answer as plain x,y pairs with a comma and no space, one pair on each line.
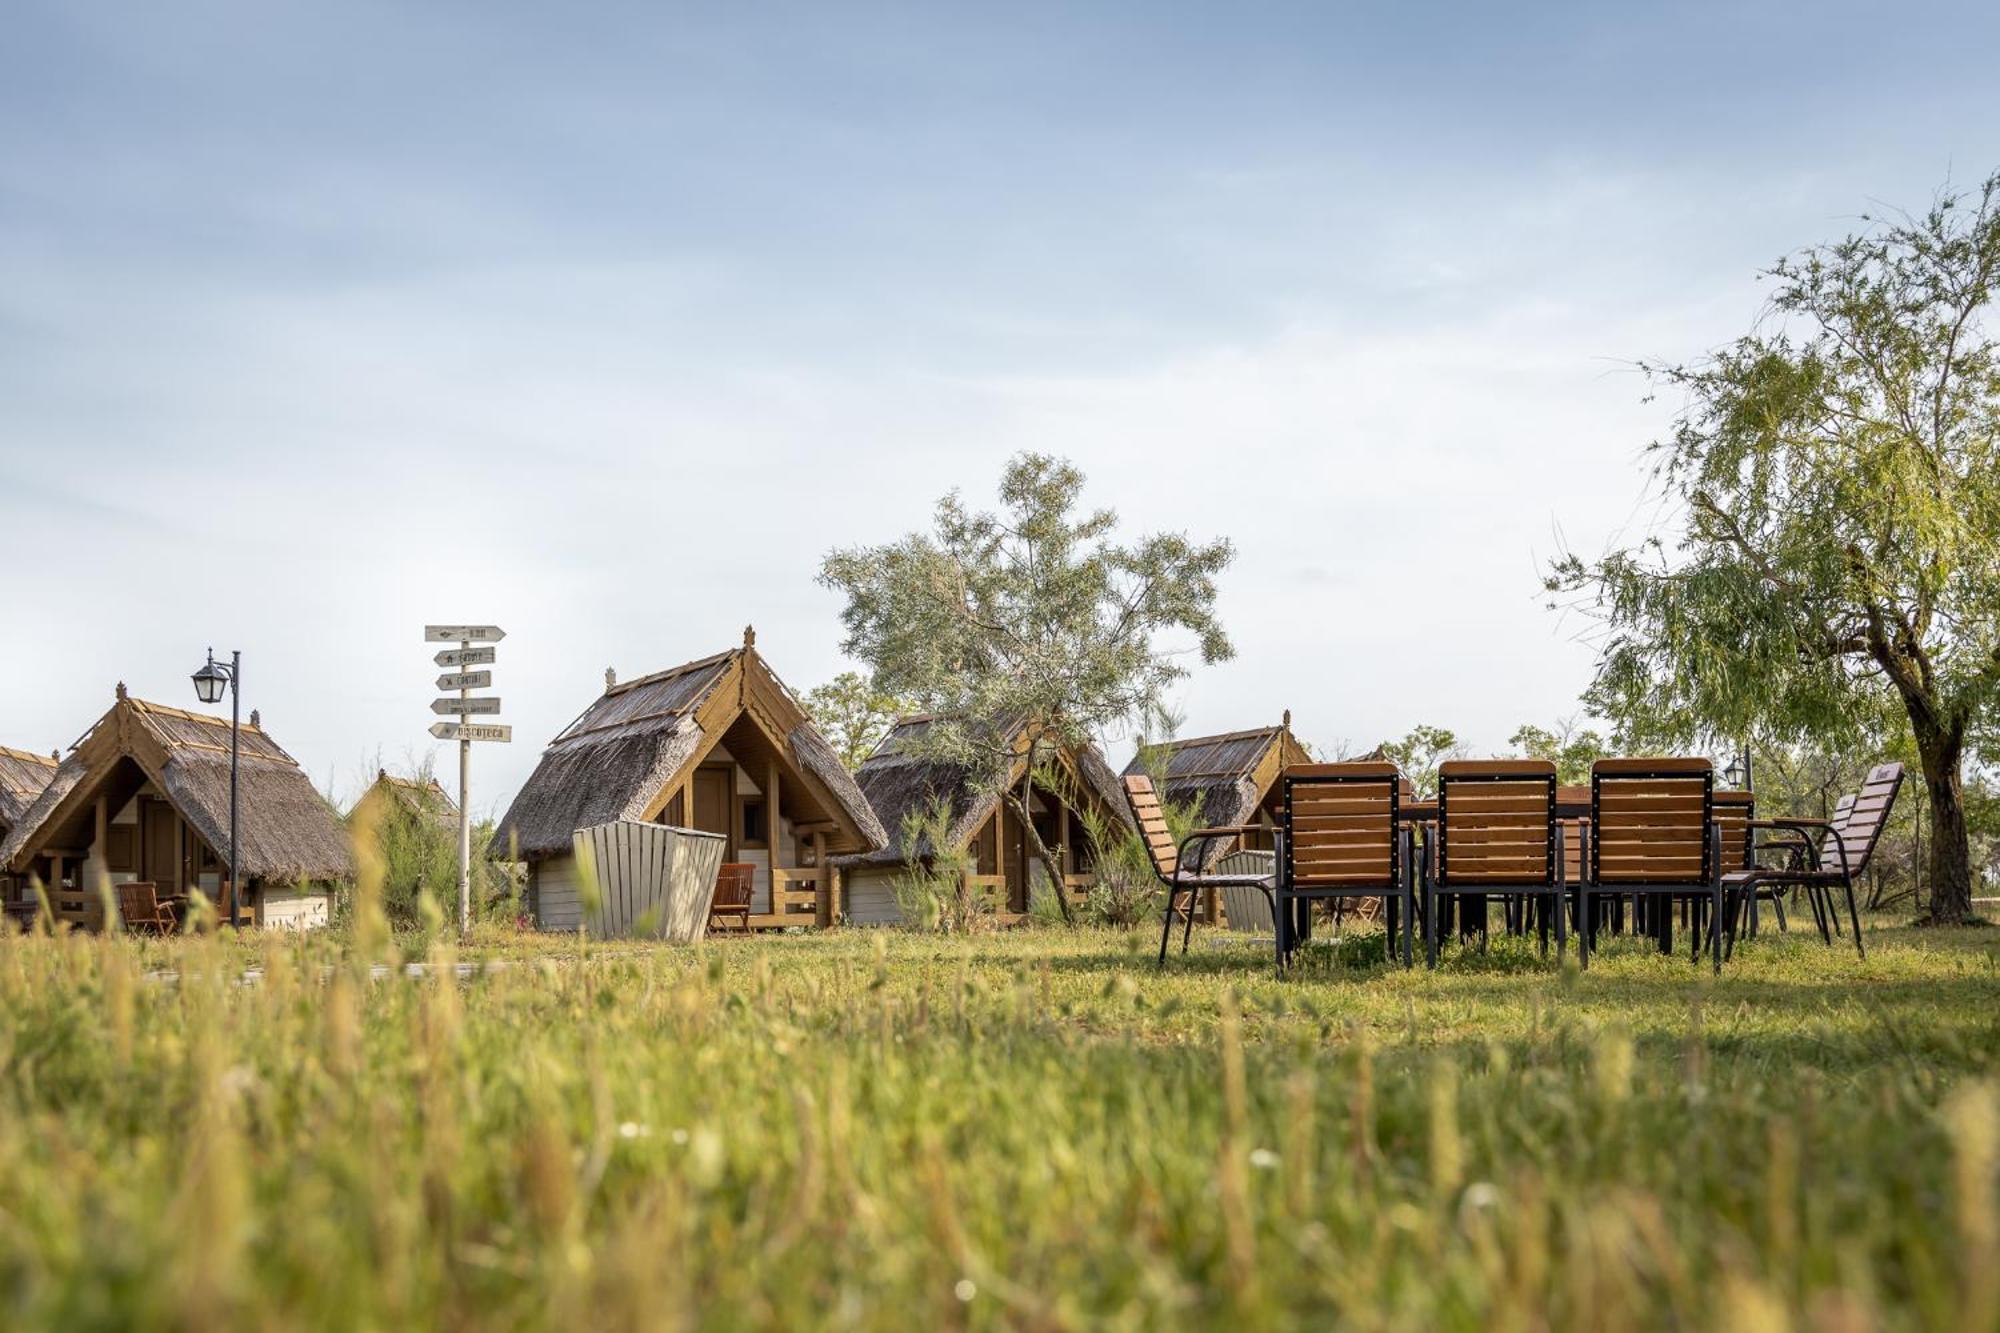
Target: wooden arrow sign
463,634
465,680
471,731
465,707
464,657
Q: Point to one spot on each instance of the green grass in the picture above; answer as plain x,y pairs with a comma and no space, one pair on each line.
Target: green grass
1034,1129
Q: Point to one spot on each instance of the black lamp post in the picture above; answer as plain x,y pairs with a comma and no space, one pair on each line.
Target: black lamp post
209,682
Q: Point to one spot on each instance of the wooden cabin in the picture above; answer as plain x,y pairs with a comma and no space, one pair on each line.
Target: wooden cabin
1230,779
719,745
1004,868
144,796
23,777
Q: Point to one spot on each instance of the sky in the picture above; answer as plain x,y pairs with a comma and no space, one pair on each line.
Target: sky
605,322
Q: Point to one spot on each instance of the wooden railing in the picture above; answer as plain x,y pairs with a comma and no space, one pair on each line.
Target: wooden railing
794,900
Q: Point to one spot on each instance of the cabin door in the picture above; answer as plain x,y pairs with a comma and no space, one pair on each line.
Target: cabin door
160,845
714,799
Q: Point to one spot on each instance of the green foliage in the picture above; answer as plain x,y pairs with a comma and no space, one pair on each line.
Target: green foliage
874,1129
1572,748
1419,753
853,715
413,833
1033,617
931,889
1836,475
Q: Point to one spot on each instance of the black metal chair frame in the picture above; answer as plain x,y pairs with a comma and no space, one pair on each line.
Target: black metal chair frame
1710,887
1193,885
1288,896
1817,879
1436,872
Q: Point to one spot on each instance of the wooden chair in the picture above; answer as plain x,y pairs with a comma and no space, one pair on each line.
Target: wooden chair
735,882
1653,836
140,908
1496,833
1172,865
1844,846
1344,839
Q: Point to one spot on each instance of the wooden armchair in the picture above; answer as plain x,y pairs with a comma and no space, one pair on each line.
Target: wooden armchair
1829,854
734,883
143,912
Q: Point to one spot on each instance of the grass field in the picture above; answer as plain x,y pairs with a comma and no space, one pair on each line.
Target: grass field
1034,1129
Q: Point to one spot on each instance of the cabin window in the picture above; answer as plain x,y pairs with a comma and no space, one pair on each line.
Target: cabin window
756,826
121,848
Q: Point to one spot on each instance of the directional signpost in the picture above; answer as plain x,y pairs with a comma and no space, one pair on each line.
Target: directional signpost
471,731
465,733
463,705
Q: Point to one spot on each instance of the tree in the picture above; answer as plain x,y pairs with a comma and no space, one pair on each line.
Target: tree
1419,754
1837,477
853,715
1029,631
1571,747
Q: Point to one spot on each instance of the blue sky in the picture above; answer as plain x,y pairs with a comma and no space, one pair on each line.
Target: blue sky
606,322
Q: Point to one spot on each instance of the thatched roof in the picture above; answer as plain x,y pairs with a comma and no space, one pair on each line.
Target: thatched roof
1226,777
423,797
289,833
899,784
23,777
629,751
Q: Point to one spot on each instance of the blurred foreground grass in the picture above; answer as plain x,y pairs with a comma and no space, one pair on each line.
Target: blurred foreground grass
1026,1130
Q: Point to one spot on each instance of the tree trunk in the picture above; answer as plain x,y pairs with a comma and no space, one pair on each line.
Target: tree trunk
1049,859
1951,843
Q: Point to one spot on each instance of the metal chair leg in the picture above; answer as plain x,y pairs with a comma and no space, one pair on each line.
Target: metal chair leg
1854,917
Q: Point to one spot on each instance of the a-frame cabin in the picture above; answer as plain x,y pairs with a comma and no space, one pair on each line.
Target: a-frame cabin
1004,869
718,744
144,796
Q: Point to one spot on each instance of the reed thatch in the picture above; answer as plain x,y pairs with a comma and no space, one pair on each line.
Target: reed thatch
289,833
23,777
899,784
620,759
424,798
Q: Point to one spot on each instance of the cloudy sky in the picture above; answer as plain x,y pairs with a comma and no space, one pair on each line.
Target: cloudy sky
604,322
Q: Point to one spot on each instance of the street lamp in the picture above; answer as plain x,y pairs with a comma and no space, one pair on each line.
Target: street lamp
209,682
1733,775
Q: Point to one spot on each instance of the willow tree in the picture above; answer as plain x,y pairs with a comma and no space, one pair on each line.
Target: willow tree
1835,476
1034,621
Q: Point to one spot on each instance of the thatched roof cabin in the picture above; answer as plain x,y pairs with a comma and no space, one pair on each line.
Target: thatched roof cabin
900,783
23,777
145,795
422,797
718,744
1231,779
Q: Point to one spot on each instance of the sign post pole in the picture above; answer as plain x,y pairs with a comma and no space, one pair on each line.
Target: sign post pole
465,733
465,822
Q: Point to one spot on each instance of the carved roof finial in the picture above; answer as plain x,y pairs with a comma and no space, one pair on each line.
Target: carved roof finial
610,677
256,719
121,690
749,636
1288,719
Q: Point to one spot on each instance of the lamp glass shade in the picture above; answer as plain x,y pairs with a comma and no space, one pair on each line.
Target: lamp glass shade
1733,775
209,682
